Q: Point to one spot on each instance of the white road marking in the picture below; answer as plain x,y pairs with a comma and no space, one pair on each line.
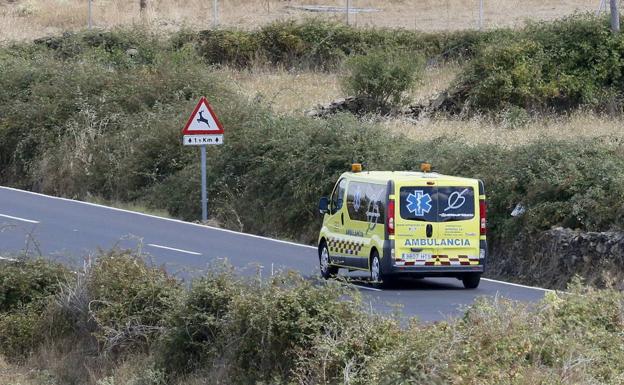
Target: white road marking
367,288
223,230
161,218
173,249
518,285
19,219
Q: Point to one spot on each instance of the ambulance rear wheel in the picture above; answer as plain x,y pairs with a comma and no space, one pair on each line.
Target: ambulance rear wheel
376,275
327,270
471,281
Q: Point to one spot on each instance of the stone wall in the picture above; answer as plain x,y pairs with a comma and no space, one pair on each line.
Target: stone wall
552,258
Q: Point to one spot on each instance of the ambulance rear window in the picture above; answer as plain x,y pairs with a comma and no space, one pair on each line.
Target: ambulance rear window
437,204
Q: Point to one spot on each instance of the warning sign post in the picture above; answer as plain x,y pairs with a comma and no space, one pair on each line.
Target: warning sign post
203,129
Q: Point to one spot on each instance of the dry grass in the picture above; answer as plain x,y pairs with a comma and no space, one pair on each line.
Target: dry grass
482,131
25,19
16,375
296,92
435,80
285,91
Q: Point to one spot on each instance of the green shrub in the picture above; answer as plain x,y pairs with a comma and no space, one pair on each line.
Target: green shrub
91,104
271,321
548,66
269,174
382,77
30,281
320,44
130,302
289,329
27,287
21,331
231,47
109,126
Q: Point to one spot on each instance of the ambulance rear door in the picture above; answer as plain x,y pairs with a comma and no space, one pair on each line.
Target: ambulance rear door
458,222
416,227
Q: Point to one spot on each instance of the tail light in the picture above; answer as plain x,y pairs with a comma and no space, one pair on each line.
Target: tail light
483,216
390,216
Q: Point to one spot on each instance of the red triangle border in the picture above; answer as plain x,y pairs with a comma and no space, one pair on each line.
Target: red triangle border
204,101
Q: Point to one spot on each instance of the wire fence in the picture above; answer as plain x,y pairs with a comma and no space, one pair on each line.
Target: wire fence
24,19
410,14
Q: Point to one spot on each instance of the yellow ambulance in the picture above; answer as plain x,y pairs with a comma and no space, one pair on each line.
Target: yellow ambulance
404,223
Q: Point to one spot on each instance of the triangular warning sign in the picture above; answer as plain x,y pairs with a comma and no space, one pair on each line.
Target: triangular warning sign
203,121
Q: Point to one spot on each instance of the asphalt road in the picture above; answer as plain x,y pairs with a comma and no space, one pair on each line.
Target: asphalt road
67,230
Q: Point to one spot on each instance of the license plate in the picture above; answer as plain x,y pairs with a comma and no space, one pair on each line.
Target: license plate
413,257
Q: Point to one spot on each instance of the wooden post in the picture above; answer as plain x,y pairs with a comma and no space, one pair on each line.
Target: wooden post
615,17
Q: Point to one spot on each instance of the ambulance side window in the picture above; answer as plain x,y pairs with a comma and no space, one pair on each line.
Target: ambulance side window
366,202
338,196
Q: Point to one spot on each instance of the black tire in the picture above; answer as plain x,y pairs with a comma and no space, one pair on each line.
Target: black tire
378,279
327,270
471,280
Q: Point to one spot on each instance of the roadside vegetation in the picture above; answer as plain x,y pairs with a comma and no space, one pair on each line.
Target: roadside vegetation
122,321
97,115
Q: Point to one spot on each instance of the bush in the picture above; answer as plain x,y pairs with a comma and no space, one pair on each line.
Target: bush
30,281
289,329
269,174
26,288
548,66
21,331
272,321
130,302
319,44
110,121
382,77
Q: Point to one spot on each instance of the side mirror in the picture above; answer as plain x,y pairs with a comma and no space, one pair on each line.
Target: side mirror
324,205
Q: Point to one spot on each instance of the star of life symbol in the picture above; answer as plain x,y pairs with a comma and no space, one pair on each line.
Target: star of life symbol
419,203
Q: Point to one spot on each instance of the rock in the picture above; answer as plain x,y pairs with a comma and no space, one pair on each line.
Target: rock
553,257
354,105
132,52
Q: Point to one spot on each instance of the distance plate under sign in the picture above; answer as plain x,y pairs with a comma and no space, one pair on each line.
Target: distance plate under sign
200,140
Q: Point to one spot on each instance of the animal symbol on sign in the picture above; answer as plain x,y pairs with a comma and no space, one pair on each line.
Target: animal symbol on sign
202,119
456,200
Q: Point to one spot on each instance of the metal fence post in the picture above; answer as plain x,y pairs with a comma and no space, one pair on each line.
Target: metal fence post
600,7
480,15
215,13
348,8
89,15
615,17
